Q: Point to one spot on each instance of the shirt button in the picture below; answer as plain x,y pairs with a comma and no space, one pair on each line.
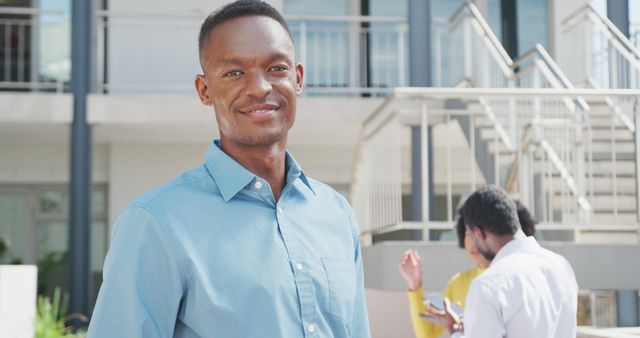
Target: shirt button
299,266
279,210
311,328
258,185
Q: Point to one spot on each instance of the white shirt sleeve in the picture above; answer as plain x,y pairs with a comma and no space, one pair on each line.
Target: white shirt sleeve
482,317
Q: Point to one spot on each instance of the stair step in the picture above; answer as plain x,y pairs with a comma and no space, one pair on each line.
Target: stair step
617,237
601,185
602,134
621,167
625,203
620,147
608,217
607,156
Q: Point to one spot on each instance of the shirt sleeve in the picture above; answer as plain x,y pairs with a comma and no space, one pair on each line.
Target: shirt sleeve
422,328
481,315
142,284
360,321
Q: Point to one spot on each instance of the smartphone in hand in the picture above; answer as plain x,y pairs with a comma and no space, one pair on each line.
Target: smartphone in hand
436,302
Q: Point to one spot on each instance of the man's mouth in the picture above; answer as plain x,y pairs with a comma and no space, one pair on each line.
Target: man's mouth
260,111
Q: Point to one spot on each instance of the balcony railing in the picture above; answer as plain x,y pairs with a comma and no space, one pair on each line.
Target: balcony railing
34,49
342,54
594,53
141,52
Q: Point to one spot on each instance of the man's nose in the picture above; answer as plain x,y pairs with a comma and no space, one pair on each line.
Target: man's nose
258,85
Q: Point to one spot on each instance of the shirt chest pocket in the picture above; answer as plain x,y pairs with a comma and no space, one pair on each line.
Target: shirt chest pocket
341,281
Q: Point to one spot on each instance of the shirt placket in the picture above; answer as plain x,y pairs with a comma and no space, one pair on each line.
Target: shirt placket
301,274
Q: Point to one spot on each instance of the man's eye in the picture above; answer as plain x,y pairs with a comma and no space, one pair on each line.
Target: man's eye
232,73
278,68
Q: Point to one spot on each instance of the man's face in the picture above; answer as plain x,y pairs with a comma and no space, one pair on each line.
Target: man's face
251,80
479,238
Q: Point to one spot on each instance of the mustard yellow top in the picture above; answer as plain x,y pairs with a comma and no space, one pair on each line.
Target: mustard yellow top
456,291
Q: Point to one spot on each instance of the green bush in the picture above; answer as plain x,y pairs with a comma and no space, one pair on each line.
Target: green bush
51,317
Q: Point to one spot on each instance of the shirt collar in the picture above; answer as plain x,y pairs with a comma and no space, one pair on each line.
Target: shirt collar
294,171
519,243
231,177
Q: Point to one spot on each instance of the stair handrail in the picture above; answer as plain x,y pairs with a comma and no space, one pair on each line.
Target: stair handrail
539,51
470,8
587,9
565,174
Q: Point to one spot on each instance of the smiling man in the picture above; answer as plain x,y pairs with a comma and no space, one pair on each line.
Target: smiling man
245,245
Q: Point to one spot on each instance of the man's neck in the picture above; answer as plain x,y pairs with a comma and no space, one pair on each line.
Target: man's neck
500,241
267,162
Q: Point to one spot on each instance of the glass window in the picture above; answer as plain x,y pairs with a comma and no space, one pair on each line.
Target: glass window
634,22
532,24
34,228
444,8
54,43
326,43
13,227
53,202
494,19
315,7
388,42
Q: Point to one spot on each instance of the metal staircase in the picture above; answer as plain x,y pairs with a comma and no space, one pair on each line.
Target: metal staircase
568,154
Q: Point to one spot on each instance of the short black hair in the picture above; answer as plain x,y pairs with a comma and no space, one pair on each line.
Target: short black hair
461,229
527,222
491,209
234,10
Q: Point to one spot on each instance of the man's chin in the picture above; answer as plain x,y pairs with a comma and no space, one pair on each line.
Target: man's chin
264,140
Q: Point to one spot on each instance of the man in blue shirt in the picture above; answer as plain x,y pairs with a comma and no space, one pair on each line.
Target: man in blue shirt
245,245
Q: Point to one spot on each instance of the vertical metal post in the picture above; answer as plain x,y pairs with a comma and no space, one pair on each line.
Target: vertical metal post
636,140
426,192
365,52
420,76
79,234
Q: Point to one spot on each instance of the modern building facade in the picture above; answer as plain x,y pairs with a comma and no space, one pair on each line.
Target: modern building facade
148,126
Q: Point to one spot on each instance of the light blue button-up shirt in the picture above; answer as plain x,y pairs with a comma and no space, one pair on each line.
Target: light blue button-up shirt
212,254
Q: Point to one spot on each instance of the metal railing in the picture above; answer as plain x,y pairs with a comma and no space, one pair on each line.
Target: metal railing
142,52
634,34
596,54
468,52
34,49
342,55
566,160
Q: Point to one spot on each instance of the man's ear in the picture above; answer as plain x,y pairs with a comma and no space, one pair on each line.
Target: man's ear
203,89
299,78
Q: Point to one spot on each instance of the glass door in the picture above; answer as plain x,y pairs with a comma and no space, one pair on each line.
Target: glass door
15,228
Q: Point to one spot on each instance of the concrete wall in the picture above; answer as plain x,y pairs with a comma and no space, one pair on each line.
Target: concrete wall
45,163
569,51
593,264
612,267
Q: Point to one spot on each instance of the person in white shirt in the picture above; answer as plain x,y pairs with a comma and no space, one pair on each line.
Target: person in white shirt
527,291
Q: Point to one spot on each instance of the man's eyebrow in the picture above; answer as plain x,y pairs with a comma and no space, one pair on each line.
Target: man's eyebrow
231,62
279,56
239,61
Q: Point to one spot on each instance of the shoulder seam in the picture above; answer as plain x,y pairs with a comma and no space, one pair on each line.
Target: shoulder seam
165,189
